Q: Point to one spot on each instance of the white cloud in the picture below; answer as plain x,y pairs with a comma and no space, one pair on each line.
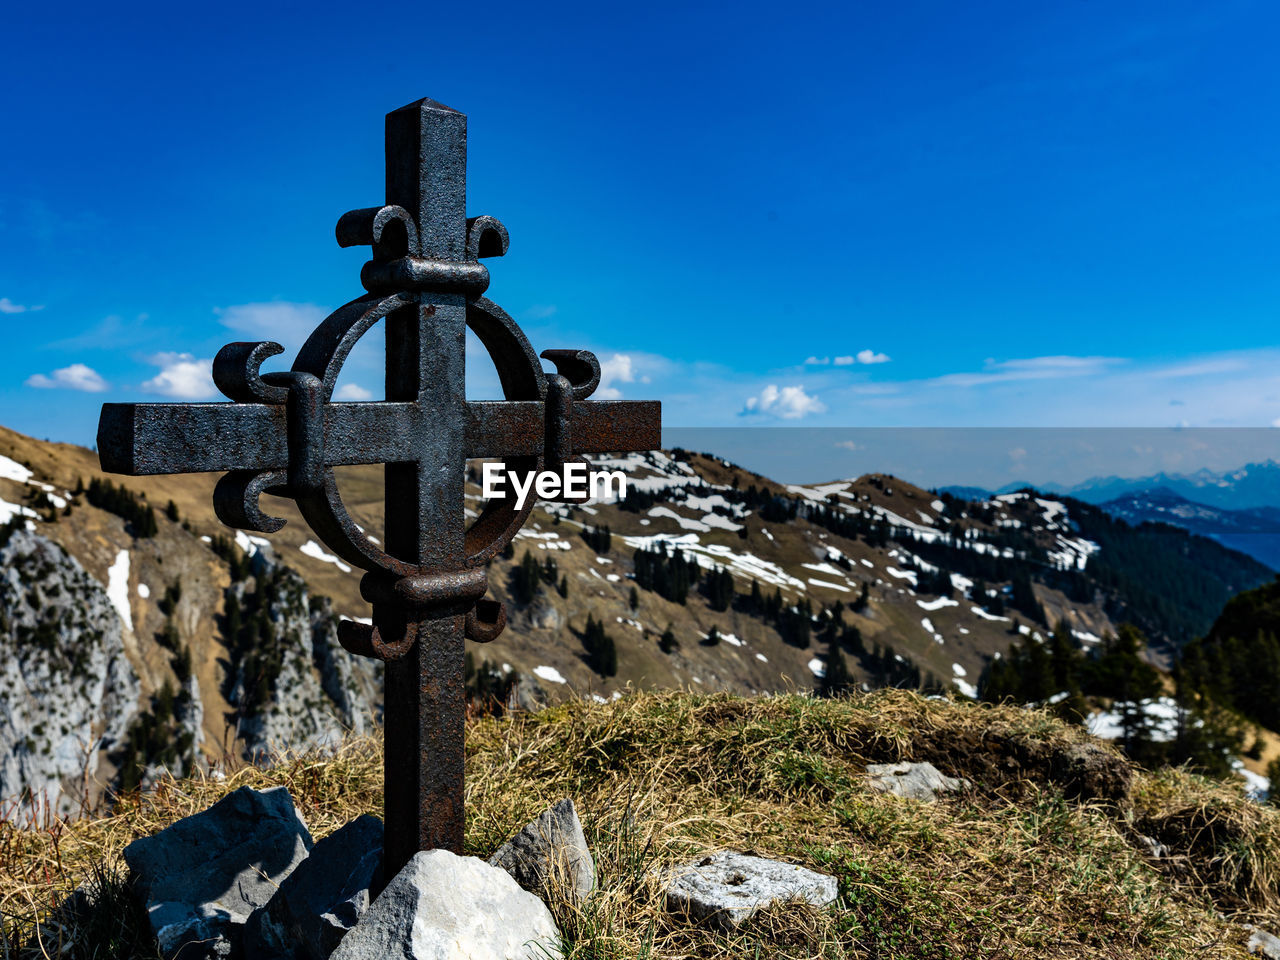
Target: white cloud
539,311
75,377
181,376
815,362
789,403
616,369
843,361
352,391
8,306
287,323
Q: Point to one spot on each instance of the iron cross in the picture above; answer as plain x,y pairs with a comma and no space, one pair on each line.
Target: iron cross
282,434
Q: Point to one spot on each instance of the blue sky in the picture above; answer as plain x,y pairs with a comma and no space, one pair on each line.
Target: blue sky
908,214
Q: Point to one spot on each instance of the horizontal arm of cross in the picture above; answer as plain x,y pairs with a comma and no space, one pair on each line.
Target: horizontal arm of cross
140,439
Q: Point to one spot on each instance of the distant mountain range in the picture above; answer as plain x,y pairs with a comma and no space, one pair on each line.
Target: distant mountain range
1238,508
1251,486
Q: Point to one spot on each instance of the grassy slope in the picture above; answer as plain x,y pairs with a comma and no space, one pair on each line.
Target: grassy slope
1040,859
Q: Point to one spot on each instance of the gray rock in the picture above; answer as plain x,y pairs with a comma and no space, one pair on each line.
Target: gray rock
446,907
322,899
725,888
922,781
200,878
550,855
1264,943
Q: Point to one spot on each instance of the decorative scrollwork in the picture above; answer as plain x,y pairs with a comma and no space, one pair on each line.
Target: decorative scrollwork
235,499
236,372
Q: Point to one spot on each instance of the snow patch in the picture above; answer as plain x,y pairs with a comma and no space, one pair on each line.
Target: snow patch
1161,714
903,574
250,544
118,588
988,616
13,470
829,586
550,674
313,549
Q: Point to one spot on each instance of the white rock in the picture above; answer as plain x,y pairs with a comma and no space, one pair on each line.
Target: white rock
726,887
923,781
446,907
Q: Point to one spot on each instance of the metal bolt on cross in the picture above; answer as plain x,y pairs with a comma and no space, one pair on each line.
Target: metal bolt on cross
281,433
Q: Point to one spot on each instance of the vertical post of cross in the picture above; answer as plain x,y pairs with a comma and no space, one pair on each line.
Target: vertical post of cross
424,704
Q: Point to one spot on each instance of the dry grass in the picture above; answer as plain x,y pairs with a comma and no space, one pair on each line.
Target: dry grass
1013,868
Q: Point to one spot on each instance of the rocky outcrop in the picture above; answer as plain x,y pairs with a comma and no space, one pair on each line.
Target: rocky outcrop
292,685
67,691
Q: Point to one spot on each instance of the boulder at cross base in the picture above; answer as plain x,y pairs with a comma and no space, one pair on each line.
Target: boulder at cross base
725,888
200,878
322,899
445,907
550,855
923,781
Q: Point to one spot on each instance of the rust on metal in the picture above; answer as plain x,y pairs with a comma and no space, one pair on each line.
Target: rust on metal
282,433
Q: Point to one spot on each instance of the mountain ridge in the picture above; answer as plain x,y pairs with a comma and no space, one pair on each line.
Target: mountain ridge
707,576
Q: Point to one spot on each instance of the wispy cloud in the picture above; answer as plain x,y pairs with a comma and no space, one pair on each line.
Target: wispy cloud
1029,368
539,311
282,321
868,356
8,306
789,403
181,376
78,376
110,332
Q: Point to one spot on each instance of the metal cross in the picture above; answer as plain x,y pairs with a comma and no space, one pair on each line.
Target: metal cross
281,434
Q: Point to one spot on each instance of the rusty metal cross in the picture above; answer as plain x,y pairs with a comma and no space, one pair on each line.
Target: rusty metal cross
283,435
